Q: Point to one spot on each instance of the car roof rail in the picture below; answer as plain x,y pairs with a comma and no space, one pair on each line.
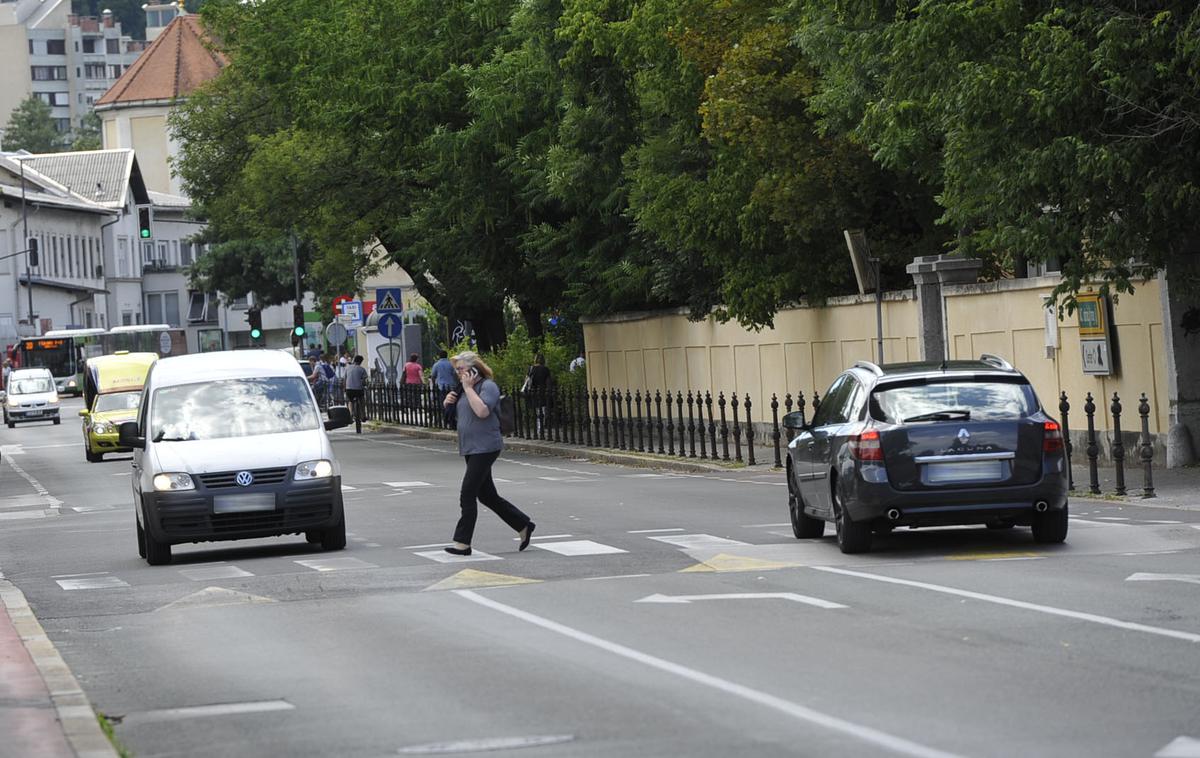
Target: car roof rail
874,369
997,361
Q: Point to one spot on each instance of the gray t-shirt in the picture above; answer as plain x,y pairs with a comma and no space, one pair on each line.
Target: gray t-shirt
356,377
480,435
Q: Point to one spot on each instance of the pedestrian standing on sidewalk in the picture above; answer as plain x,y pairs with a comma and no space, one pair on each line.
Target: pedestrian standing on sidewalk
356,382
477,404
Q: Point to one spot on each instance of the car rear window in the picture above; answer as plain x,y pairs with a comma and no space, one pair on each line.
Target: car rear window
984,400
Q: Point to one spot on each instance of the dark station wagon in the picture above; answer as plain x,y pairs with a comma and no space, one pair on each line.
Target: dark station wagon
926,444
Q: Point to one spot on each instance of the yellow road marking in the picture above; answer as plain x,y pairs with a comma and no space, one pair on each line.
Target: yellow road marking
468,578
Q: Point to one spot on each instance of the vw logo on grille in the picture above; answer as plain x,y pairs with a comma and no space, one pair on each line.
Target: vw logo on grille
963,436
245,478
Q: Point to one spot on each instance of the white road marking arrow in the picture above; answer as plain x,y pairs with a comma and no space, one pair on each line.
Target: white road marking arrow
658,598
1189,578
1180,747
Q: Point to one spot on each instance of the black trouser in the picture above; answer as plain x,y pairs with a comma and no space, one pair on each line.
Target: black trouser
477,485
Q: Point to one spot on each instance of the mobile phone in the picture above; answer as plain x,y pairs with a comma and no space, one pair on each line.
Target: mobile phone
474,372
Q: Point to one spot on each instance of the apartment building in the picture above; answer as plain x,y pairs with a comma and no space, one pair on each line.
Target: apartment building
67,61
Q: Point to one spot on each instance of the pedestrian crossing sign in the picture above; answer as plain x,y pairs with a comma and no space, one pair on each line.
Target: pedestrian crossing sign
388,300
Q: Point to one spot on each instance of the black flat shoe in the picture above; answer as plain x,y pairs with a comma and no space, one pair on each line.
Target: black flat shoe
457,551
528,536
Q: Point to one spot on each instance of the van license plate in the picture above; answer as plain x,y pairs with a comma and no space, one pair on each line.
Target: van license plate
264,501
967,471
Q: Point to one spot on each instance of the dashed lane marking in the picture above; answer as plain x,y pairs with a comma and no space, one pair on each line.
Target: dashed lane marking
991,556
579,547
92,583
335,564
567,479
206,711
699,541
406,485
441,556
655,531
206,573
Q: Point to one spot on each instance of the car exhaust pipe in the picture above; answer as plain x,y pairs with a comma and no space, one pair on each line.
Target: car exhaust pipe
1041,506
893,514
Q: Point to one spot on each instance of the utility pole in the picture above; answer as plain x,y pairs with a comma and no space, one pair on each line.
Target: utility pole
299,349
25,233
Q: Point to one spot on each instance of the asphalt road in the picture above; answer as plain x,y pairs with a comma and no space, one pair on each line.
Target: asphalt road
654,615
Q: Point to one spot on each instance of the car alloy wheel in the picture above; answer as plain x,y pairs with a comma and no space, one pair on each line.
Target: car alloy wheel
803,525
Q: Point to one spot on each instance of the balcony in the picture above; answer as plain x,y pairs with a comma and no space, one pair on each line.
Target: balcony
158,266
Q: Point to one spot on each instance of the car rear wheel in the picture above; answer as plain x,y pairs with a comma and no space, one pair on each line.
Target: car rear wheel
803,525
334,538
1050,527
852,537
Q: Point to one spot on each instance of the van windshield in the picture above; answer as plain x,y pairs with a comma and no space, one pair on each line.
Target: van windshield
232,408
31,386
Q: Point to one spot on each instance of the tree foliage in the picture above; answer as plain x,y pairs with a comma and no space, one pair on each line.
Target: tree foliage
587,156
31,127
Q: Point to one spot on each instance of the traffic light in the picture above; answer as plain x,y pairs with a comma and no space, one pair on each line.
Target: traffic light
254,318
144,222
33,252
298,320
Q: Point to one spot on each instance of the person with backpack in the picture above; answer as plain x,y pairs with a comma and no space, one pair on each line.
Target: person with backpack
324,378
477,404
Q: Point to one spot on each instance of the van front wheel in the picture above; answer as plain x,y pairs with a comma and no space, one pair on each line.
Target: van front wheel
334,538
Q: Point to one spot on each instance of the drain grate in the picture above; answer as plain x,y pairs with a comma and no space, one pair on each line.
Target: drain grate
486,744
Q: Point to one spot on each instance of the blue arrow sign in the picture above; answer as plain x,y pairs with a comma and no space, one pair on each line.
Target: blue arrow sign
390,325
388,300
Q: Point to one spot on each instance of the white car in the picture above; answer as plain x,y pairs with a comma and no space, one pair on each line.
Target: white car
229,446
30,396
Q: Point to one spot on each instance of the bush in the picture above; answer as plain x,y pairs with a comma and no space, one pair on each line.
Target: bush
511,363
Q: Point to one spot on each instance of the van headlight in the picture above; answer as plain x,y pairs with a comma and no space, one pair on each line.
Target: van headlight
313,470
13,402
101,427
173,482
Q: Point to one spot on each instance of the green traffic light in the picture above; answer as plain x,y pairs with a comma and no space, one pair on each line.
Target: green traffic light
255,333
299,331
145,234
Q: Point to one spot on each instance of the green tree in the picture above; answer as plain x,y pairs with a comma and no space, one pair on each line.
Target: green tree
87,136
1065,131
31,127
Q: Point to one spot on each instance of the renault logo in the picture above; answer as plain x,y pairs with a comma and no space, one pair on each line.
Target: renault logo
245,478
963,437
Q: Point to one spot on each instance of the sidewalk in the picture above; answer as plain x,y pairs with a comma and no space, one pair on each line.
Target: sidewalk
1173,488
43,711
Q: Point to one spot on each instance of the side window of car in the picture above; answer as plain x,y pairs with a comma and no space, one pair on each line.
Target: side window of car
856,403
833,404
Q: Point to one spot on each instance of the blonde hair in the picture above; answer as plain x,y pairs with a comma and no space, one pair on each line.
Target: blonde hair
472,359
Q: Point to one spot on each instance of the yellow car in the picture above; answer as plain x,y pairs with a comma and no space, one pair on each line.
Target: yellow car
112,391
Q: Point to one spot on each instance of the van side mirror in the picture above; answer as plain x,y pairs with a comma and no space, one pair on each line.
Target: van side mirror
83,413
339,416
794,421
127,435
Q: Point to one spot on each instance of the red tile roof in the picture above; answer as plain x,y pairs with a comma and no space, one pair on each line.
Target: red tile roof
176,63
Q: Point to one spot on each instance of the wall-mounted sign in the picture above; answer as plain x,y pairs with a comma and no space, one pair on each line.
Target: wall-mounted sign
1095,348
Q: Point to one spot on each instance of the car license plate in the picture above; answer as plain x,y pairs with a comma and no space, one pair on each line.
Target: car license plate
263,501
967,471
33,413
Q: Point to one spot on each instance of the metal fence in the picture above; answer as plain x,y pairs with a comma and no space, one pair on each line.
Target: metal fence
695,425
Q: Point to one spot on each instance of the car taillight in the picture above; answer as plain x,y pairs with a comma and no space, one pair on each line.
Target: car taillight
1052,442
866,447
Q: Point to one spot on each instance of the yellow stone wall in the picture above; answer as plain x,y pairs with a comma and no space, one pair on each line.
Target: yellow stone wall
809,346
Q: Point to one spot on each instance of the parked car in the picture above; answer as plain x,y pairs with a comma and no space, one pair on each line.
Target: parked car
926,444
229,446
31,396
112,390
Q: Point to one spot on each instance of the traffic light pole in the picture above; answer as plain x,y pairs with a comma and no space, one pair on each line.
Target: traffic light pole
25,233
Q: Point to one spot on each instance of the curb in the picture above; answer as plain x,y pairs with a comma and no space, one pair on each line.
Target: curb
75,713
595,455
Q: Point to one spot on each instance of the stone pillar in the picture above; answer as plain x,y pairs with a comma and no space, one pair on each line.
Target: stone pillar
930,274
1183,369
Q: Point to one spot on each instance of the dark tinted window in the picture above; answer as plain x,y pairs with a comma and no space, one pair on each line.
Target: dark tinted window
835,405
986,401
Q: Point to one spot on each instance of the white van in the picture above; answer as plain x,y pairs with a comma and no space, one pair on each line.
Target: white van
229,446
30,396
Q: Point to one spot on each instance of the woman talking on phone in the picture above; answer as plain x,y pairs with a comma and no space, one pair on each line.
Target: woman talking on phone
477,401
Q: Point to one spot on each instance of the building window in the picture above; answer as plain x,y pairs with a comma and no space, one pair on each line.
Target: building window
164,257
185,253
124,269
202,307
112,45
31,47
89,46
162,308
93,71
147,252
63,125
56,47
48,73
210,340
88,320
114,71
